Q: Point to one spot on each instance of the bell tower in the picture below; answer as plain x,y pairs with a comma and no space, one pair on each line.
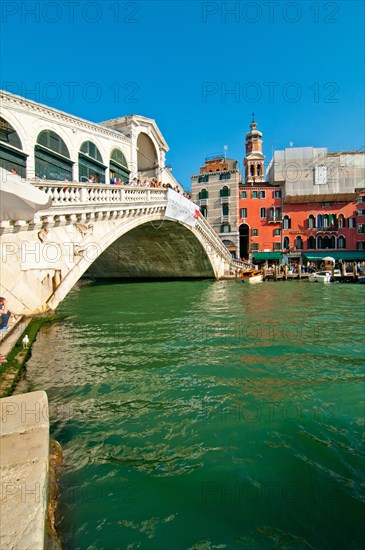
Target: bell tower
254,159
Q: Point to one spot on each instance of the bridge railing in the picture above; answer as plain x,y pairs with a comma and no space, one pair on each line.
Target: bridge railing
65,193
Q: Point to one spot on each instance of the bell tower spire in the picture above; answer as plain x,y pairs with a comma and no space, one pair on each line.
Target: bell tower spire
254,158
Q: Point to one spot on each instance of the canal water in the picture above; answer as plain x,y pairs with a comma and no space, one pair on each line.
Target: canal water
207,414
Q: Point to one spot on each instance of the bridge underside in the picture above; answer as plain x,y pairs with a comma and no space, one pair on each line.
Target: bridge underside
160,249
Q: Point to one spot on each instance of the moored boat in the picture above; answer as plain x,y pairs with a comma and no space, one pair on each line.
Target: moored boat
252,276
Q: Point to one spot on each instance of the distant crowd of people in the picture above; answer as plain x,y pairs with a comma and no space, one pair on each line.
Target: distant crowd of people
147,182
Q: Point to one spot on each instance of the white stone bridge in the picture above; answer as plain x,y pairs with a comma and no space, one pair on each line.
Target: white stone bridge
102,231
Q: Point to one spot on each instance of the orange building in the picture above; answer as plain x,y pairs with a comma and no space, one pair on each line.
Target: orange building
260,205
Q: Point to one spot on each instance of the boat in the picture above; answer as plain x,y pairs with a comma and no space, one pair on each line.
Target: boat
320,277
361,279
252,276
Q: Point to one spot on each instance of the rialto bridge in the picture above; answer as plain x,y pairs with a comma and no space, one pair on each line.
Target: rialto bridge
103,231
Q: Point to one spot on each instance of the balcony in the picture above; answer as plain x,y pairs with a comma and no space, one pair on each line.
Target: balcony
225,200
327,229
203,202
278,218
224,218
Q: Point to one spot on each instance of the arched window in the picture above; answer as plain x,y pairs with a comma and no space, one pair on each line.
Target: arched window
331,242
320,242
298,243
311,221
319,221
118,166
311,243
225,210
286,243
52,158
326,221
11,154
225,192
341,221
203,194
259,170
326,242
252,170
225,228
286,222
204,211
341,242
91,163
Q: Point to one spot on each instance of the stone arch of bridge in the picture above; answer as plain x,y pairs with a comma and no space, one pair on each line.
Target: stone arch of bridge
146,246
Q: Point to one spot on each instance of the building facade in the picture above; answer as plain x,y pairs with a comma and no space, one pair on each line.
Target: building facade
40,142
215,190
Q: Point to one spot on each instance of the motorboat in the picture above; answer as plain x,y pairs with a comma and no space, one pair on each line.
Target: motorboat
324,276
252,276
361,279
320,277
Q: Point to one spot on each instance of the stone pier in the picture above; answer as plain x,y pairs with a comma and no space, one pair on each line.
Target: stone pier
24,462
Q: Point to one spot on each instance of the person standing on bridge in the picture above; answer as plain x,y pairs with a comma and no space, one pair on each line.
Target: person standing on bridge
5,315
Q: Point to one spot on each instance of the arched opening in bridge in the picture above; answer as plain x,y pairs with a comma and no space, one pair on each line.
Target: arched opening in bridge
11,154
52,157
118,167
91,167
147,159
152,250
244,240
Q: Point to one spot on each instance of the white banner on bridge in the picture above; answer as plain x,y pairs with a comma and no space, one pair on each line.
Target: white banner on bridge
182,209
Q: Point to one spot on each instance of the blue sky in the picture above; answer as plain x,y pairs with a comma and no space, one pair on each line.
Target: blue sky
298,65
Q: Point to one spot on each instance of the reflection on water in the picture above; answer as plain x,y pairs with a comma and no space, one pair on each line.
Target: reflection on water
203,414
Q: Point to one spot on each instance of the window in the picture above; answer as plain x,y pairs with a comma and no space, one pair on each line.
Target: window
90,163
341,242
255,247
13,156
361,228
225,176
118,166
360,212
243,213
311,243
203,194
320,242
320,175
319,221
277,194
52,158
277,232
255,232
311,221
286,222
204,211
203,179
298,243
258,170
225,228
361,198
361,245
352,222
262,212
326,221
254,194
225,210
252,170
277,246
243,194
262,194
286,243
341,221
225,192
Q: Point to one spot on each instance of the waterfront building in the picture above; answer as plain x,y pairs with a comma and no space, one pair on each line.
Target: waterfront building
323,200
215,190
259,205
44,143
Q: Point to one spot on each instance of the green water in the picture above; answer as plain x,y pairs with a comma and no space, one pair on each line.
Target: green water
208,415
